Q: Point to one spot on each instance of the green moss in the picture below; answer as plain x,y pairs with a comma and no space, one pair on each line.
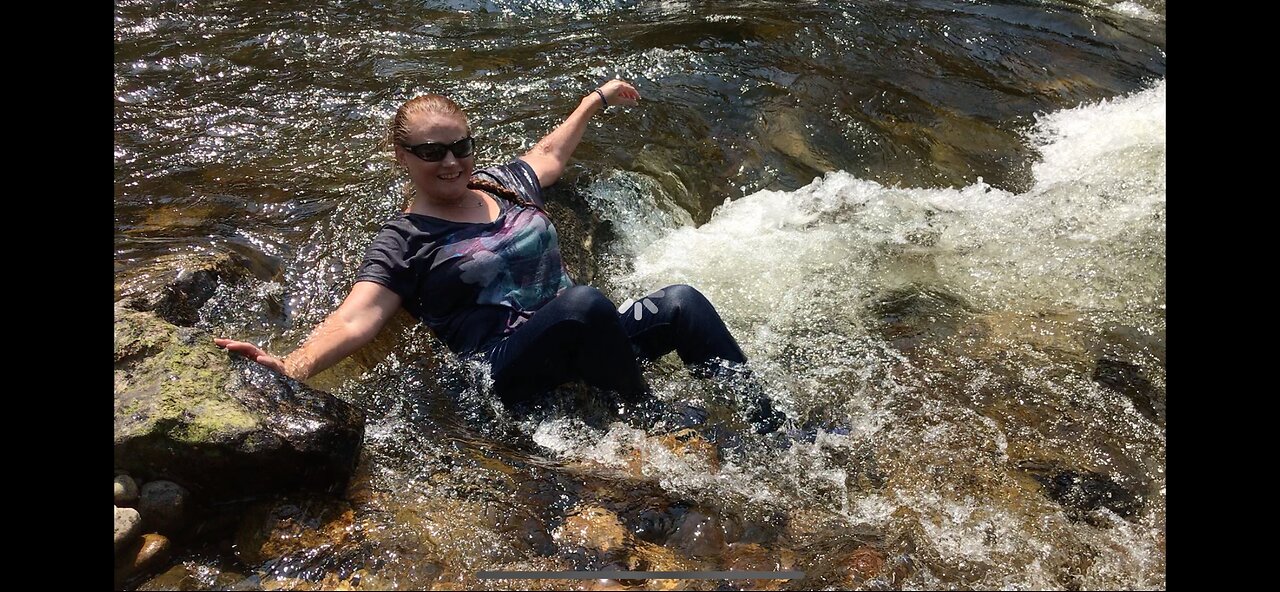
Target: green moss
191,404
138,333
129,408
213,419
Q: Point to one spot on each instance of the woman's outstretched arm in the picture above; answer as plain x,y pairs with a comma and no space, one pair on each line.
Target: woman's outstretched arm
551,154
356,322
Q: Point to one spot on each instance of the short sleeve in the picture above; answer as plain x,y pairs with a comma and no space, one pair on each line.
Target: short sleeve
385,262
517,176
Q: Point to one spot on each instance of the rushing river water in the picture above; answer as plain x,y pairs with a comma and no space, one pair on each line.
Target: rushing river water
938,225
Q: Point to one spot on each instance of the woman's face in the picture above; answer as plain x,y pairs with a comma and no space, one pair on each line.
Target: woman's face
447,178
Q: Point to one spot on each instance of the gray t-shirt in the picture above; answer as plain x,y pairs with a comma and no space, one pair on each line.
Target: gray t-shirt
472,283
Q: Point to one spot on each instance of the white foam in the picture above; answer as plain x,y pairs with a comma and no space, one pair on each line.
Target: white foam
1136,10
1089,234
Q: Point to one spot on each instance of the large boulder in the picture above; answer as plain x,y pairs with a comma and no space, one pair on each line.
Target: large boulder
222,426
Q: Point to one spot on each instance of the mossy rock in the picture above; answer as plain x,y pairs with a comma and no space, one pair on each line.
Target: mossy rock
222,426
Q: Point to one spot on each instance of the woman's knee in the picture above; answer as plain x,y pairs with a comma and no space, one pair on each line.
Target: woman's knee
587,304
686,297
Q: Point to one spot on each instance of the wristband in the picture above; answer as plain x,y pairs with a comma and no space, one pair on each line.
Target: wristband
602,99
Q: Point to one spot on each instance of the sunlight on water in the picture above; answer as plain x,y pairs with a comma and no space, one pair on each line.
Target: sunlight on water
974,371
793,272
1137,10
1090,234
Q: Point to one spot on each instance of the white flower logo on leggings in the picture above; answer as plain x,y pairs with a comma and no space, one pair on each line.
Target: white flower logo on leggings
642,305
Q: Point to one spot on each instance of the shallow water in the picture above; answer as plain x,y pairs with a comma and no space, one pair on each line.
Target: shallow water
939,225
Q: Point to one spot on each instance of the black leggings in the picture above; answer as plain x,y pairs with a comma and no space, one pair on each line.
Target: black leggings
579,335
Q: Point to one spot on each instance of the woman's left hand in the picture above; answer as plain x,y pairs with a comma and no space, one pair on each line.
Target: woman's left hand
620,92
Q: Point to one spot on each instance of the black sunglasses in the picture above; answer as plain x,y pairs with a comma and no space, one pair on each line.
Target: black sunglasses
434,151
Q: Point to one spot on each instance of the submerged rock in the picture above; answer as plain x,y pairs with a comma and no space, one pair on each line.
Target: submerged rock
593,528
1081,492
272,530
915,314
144,555
654,519
183,414
650,557
699,535
174,578
757,557
179,300
1064,334
860,565
1128,380
861,560
688,442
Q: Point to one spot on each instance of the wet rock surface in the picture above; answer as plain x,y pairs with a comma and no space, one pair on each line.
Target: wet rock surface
194,282
579,227
1081,492
1127,379
277,529
144,555
592,528
225,428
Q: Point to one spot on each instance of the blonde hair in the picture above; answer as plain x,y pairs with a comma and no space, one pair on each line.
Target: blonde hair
435,104
398,135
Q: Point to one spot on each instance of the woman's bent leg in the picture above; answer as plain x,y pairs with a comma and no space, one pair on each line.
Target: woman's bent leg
679,318
576,335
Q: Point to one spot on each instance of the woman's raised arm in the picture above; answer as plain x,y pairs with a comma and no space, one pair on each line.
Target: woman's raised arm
551,154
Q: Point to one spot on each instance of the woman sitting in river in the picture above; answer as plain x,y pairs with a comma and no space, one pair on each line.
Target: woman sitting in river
476,258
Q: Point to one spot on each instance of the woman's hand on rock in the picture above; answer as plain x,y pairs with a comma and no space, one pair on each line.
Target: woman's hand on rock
252,352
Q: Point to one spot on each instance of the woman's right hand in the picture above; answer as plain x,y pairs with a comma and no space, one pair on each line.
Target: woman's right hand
252,352
620,92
